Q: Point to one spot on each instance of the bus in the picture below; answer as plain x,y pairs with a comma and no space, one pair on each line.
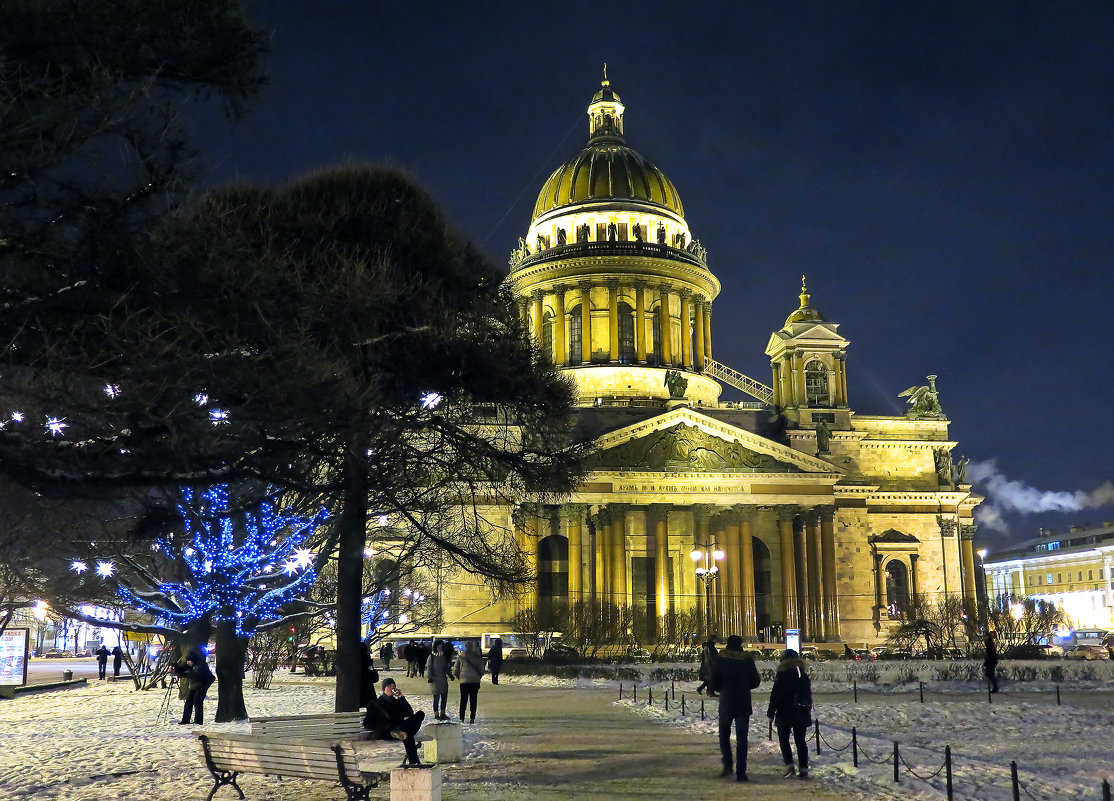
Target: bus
515,646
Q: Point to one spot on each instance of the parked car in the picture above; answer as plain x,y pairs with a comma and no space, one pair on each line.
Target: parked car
863,654
1050,650
1088,652
558,651
635,654
54,653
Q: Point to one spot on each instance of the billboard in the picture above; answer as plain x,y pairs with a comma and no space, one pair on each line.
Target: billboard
793,639
13,655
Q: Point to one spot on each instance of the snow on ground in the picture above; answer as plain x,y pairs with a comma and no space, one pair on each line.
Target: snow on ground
1062,751
107,741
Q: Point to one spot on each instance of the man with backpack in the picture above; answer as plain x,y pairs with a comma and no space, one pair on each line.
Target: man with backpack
734,675
791,711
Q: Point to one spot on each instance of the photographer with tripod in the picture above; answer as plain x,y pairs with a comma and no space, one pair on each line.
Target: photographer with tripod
195,673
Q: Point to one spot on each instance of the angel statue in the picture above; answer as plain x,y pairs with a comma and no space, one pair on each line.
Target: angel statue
676,383
923,401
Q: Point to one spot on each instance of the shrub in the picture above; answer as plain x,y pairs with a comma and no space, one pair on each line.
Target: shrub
1055,673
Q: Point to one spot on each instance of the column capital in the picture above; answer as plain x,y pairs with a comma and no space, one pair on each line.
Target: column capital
660,508
560,288
684,293
703,511
575,511
913,557
640,283
613,284
585,286
745,511
967,531
537,295
786,513
827,513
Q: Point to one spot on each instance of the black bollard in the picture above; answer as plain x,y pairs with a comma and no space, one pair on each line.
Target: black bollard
651,701
816,725
1013,780
1105,790
635,696
665,700
922,691
673,688
897,763
989,695
854,747
702,709
682,703
620,691
770,733
948,769
1057,695
855,687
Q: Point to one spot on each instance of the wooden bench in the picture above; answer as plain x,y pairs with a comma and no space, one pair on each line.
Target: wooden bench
229,755
329,726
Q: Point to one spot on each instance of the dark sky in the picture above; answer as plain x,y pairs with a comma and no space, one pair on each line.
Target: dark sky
942,172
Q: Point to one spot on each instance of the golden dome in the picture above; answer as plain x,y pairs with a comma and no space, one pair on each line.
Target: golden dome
805,313
607,170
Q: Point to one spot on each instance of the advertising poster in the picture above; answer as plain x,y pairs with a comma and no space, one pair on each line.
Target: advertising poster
793,639
13,656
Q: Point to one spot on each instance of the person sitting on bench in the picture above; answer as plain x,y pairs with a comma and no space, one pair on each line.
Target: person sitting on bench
392,716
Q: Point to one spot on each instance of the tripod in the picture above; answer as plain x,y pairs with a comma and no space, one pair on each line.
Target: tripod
164,711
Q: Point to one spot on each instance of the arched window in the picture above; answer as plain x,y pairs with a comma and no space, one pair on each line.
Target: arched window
897,589
816,384
626,334
575,328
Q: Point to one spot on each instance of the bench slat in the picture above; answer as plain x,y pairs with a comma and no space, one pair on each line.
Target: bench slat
283,757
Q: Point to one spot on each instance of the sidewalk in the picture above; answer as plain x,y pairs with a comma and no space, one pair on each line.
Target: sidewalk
547,743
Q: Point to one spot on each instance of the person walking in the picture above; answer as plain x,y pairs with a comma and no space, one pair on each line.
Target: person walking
708,655
117,658
102,661
469,670
410,654
734,675
200,678
791,711
438,671
990,660
495,658
386,653
422,654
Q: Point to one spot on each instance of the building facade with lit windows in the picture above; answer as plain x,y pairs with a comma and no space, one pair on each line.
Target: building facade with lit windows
1071,570
829,521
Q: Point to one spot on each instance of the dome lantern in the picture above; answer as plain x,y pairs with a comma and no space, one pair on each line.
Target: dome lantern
605,113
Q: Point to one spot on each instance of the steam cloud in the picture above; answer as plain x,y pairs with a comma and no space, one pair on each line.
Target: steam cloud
1006,495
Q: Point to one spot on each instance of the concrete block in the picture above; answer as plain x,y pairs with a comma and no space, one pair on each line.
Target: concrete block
443,742
416,784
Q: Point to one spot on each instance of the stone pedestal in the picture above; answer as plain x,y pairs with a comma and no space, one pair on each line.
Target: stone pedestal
416,784
443,742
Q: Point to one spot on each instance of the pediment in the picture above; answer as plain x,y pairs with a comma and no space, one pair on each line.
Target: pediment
684,439
892,536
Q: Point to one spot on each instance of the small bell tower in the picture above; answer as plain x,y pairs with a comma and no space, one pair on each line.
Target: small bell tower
808,359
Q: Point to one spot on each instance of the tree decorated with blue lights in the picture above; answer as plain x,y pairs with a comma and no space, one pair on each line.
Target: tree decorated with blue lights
223,571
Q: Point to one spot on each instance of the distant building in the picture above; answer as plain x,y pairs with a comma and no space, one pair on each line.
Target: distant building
829,520
1072,570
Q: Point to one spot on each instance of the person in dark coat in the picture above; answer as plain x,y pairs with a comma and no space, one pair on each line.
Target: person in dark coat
423,658
410,654
791,710
102,661
495,658
117,658
708,656
990,660
439,670
401,721
369,676
196,671
734,675
386,653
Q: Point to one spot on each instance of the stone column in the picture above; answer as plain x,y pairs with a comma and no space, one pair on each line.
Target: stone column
666,325
619,553
878,584
1107,565
815,605
574,515
560,352
837,389
658,517
748,612
827,557
703,540
733,584
800,575
914,579
843,379
613,319
708,329
585,323
775,382
796,385
686,329
602,523
526,533
640,321
539,317
785,515
967,556
698,364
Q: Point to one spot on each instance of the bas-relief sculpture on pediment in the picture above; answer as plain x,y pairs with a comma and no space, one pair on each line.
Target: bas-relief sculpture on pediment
689,448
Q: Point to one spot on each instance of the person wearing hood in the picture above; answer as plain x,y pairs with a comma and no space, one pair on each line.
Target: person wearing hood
791,711
734,675
199,678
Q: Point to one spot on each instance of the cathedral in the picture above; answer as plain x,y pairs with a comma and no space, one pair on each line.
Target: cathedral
787,511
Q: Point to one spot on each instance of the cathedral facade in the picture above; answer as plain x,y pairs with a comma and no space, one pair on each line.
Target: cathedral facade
788,511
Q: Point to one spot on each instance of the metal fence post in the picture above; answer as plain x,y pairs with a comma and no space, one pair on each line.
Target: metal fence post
673,688
1057,695
922,691
948,769
636,693
620,691
666,700
1105,790
1013,780
682,703
897,763
854,747
816,726
855,687
702,709
651,701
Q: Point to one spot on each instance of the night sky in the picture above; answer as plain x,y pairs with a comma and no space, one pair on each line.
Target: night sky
943,173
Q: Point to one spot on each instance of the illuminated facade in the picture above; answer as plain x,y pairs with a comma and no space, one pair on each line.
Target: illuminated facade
829,520
1071,570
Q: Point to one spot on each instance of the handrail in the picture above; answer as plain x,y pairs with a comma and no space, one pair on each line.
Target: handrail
722,372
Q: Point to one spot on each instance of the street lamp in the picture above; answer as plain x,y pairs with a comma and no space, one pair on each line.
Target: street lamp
706,571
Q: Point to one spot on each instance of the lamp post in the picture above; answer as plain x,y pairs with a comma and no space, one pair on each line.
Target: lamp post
707,570
982,590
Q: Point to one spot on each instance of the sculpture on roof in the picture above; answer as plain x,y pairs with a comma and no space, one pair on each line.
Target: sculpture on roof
924,402
676,383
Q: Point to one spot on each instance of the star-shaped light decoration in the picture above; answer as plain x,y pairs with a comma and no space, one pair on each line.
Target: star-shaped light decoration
290,568
201,398
105,569
112,390
78,566
303,557
17,417
431,400
218,416
56,425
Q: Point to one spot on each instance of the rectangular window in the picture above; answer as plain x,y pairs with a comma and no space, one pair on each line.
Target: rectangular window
1091,575
622,232
1080,576
1100,572
1049,579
